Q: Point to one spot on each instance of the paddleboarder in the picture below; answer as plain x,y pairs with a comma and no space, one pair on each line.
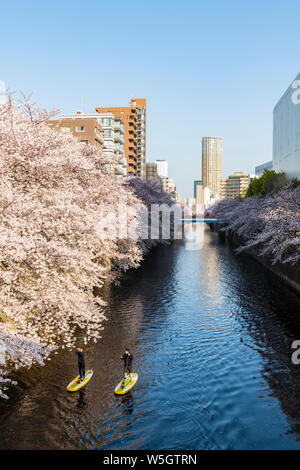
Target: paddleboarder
127,358
81,362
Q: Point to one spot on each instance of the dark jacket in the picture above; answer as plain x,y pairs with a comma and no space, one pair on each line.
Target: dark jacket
127,358
81,357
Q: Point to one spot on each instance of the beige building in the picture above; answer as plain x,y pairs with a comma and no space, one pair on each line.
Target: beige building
212,161
235,185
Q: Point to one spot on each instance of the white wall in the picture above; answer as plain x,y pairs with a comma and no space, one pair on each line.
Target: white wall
286,132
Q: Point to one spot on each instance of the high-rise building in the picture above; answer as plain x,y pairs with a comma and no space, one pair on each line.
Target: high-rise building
134,122
235,185
212,161
140,104
286,132
162,168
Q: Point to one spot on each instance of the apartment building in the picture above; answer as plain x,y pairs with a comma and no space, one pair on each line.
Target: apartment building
140,104
87,130
151,173
104,130
134,122
235,185
113,138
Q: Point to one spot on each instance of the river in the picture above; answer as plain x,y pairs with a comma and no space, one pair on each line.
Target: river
211,334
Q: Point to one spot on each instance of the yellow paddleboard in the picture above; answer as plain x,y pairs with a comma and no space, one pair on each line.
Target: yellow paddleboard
77,385
124,387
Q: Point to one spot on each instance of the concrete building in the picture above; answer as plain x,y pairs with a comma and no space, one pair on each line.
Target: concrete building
212,161
134,122
259,170
235,185
286,132
196,184
151,173
140,104
113,132
251,178
104,130
88,130
199,194
162,168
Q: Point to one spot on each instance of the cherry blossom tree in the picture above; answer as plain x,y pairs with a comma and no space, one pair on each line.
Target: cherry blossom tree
53,193
268,224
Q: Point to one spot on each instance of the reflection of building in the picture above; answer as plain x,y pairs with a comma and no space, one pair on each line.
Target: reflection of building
104,129
212,161
235,185
286,132
134,121
259,170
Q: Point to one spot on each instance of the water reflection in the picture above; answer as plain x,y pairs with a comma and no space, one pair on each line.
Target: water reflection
210,333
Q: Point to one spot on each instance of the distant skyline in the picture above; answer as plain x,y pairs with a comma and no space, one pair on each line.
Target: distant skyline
206,69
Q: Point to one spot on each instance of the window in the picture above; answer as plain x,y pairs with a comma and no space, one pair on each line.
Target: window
85,142
80,128
106,121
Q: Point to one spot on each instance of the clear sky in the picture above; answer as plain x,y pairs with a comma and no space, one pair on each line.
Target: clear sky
206,68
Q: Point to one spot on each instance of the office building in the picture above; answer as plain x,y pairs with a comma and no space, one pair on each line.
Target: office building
286,132
259,170
212,161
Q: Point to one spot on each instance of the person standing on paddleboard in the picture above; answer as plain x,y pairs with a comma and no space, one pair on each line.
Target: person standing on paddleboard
81,362
127,358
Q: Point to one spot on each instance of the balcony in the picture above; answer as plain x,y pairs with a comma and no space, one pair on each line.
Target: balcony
118,138
119,127
121,171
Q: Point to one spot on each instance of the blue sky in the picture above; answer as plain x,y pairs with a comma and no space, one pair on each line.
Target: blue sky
205,67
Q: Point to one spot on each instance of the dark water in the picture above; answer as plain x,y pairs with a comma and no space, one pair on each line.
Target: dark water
211,335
